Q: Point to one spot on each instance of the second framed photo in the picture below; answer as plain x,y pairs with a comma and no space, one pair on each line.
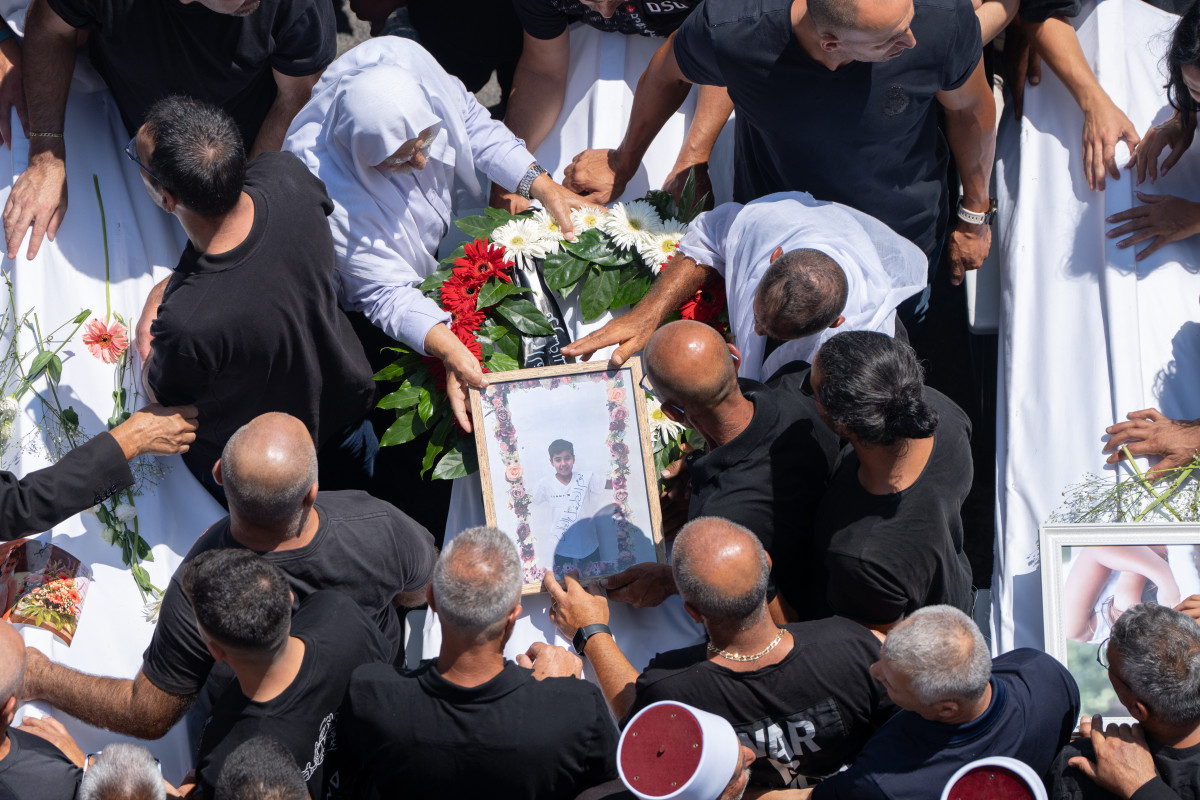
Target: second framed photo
567,468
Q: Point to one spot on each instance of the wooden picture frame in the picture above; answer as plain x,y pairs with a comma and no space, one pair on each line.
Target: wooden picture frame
611,492
1082,591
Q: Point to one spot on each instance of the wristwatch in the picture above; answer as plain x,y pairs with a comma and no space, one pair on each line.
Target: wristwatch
579,641
976,217
527,182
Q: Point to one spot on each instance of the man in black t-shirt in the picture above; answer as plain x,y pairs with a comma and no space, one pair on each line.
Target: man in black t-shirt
838,98
890,524
345,541
1153,658
800,696
30,766
257,59
468,723
249,321
291,672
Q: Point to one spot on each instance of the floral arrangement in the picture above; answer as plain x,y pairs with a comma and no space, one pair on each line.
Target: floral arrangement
618,450
612,264
1133,497
51,599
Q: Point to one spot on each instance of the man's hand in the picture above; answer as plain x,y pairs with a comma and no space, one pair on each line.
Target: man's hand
599,175
53,732
572,606
38,200
511,202
967,248
1021,63
1190,606
550,661
678,177
1162,219
12,90
462,370
157,431
1103,126
1149,433
1173,134
642,585
558,201
1123,763
631,331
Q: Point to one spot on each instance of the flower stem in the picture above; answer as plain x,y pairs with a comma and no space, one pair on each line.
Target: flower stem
104,230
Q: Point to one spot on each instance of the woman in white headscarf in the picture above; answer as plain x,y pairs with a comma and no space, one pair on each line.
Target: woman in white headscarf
397,142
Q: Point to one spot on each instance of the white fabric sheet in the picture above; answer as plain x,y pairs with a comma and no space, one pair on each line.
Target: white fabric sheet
882,268
1088,333
66,277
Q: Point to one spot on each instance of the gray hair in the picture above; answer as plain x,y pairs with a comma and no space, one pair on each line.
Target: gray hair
1160,661
123,771
267,500
943,654
705,598
477,582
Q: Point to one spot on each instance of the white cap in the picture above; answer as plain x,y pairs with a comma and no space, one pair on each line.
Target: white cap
998,777
671,751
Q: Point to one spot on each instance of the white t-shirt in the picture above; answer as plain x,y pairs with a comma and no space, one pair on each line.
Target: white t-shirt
572,531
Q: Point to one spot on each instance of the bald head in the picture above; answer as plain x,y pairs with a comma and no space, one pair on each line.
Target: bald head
690,365
721,570
267,468
12,663
803,292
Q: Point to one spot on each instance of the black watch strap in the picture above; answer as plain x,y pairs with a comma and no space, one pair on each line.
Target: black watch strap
579,641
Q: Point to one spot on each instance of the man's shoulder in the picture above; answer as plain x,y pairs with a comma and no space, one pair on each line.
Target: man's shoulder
935,22
1030,665
362,515
281,175
217,535
745,14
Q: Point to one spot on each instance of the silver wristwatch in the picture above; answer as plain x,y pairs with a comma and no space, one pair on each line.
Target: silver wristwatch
530,176
977,217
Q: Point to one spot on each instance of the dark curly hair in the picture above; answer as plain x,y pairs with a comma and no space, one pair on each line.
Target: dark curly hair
1184,52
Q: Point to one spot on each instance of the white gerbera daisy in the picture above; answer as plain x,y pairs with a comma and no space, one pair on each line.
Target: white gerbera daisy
549,229
588,217
656,252
632,224
522,241
662,427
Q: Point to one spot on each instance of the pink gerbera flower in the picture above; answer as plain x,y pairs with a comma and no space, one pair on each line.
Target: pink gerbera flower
106,342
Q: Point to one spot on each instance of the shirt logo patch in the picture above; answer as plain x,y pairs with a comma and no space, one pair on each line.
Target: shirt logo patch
896,102
666,6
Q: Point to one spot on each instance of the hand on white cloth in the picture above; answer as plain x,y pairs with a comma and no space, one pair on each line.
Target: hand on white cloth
38,200
12,90
1103,126
967,248
1171,134
1123,763
53,732
550,661
1161,220
598,175
1148,432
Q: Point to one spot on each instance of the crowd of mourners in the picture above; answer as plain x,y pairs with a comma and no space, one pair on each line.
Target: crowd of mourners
817,538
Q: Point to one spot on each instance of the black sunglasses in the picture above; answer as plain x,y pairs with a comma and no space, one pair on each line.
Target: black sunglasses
131,151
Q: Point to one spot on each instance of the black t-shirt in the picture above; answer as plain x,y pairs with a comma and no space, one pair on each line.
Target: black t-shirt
865,135
148,49
258,328
34,769
805,717
888,555
338,638
1178,774
547,19
1034,707
770,478
512,738
365,548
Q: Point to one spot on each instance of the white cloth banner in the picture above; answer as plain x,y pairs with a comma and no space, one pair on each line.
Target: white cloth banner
66,277
1088,334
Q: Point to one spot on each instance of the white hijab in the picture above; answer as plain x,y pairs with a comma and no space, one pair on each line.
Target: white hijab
383,93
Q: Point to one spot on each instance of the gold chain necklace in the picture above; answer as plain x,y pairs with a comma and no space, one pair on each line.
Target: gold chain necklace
756,656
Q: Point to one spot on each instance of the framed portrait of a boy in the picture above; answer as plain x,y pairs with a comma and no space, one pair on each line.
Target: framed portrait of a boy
567,469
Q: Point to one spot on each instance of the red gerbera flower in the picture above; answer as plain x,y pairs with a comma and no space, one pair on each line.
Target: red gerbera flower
466,319
707,304
459,296
482,262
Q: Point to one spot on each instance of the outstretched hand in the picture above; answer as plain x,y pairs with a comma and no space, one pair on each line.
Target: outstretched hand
631,331
1123,763
157,430
1148,432
642,585
1171,134
597,175
1104,126
572,606
1161,220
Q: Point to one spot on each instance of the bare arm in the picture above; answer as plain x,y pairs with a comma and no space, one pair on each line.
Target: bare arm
601,175
1103,123
994,16
971,132
133,707
293,93
39,197
713,108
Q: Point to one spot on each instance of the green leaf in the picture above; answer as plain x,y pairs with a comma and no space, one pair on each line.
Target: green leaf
508,345
432,451
54,368
593,247
441,432
40,362
407,427
119,318
82,316
631,291
459,460
562,269
525,317
496,290
478,227
398,368
447,263
425,405
663,202
404,397
501,362
69,416
143,550
598,292
498,213
435,280
141,577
